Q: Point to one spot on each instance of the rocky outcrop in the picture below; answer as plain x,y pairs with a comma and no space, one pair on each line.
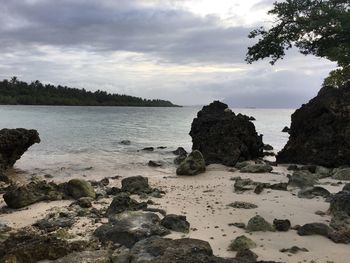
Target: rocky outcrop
320,130
18,197
192,165
13,143
224,137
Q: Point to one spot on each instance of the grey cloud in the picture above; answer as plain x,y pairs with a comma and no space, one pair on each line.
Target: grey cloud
170,34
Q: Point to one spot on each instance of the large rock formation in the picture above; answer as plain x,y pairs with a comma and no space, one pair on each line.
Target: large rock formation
320,130
13,143
224,137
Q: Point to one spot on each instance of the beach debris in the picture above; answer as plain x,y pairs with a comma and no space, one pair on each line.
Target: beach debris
320,130
77,188
14,143
256,168
258,223
294,250
128,227
224,137
282,225
193,164
243,205
311,192
176,223
241,243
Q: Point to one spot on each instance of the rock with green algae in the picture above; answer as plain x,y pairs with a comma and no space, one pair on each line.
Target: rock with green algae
193,164
78,188
258,223
241,243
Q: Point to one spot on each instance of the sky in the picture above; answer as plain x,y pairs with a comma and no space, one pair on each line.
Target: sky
190,52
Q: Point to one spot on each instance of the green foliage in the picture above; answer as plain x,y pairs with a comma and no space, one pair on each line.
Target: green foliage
15,92
338,77
317,27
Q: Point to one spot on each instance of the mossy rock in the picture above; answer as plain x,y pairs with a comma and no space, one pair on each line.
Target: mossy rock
258,223
78,188
241,243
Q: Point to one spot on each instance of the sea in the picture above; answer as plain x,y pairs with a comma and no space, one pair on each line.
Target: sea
86,141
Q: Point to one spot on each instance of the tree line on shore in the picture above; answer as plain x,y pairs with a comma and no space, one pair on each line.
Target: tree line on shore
16,92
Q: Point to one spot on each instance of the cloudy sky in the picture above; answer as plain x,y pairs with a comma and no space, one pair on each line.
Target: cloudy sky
187,51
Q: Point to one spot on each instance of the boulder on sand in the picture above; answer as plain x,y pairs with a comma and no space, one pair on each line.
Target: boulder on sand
78,188
320,130
224,137
193,164
136,185
13,143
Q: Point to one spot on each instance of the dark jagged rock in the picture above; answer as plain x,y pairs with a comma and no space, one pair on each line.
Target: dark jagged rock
340,202
22,196
95,256
136,185
155,163
286,129
52,222
346,187
180,151
246,255
84,202
176,223
256,168
320,130
13,143
78,188
193,164
122,202
243,205
294,250
224,137
341,174
267,147
29,247
281,225
279,186
129,227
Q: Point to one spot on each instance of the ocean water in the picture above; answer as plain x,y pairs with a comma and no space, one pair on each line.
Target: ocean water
86,140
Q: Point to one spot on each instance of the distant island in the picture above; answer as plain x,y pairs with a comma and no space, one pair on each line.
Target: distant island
15,92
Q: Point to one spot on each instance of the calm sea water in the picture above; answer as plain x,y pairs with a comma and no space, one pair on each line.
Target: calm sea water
87,139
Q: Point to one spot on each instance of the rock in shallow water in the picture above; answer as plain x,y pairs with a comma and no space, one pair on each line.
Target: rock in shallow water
13,143
193,164
224,137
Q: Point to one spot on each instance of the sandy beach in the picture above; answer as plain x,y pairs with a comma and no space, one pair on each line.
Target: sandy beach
203,199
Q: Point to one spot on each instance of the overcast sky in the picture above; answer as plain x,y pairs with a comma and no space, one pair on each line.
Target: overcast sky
187,51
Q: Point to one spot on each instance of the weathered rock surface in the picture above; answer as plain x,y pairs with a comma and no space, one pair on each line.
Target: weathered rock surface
78,188
122,202
320,130
282,225
340,202
302,179
193,164
243,205
129,227
224,137
13,143
311,192
95,256
18,197
52,222
314,229
176,223
30,247
258,223
341,174
136,185
241,243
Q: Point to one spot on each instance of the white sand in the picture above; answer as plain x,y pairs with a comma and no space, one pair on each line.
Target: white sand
209,214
